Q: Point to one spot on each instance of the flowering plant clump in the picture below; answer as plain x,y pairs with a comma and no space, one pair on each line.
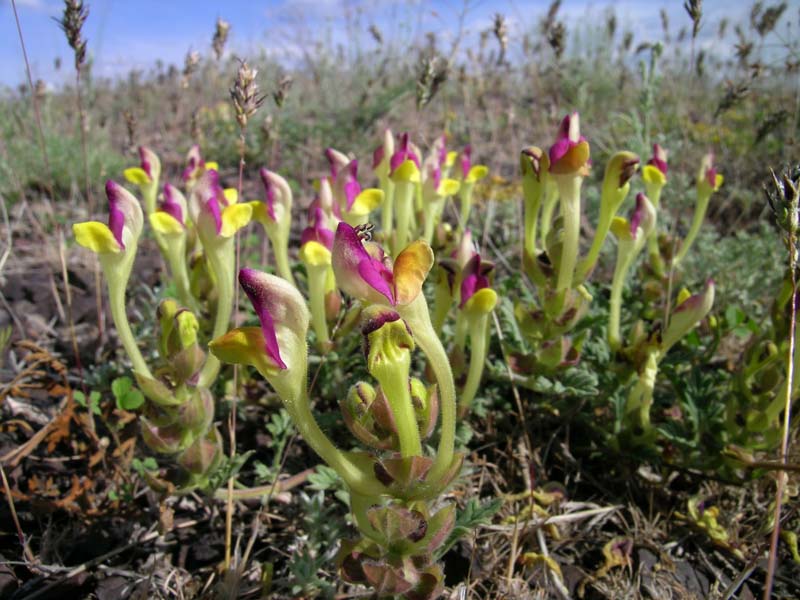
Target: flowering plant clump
344,279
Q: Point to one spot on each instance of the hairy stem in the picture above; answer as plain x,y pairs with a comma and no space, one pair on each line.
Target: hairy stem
569,189
478,330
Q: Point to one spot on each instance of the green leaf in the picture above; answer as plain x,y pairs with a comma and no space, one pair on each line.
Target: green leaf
131,401
120,387
324,478
473,515
79,397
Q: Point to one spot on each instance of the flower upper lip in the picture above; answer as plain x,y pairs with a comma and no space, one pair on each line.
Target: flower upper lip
570,152
365,271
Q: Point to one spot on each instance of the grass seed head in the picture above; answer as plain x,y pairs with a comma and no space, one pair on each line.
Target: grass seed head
245,94
71,23
220,37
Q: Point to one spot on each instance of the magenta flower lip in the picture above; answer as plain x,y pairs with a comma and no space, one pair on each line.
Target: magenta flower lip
356,261
442,157
435,174
474,278
316,231
377,156
567,153
638,214
212,197
711,172
332,163
659,159
251,283
403,153
269,192
466,160
116,217
145,163
171,206
194,162
378,320
351,186
695,300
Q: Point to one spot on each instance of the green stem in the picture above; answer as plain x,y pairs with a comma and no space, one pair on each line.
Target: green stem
610,201
465,194
460,337
394,383
587,265
569,189
548,207
418,319
404,197
624,256
317,275
433,213
532,192
697,222
387,214
221,260
149,195
356,477
117,272
640,399
359,505
477,358
176,257
442,301
280,248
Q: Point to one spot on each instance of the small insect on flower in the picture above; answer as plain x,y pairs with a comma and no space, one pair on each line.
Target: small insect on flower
364,232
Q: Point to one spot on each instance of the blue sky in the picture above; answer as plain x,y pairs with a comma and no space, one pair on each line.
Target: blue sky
133,34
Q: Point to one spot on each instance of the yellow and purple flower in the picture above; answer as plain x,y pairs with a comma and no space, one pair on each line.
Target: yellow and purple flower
124,226
569,155
366,272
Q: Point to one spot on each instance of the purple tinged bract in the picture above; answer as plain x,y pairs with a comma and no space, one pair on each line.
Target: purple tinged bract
474,278
316,230
251,283
403,153
466,160
659,159
171,206
116,217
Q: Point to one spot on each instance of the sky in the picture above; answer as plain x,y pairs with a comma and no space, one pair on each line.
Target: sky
133,34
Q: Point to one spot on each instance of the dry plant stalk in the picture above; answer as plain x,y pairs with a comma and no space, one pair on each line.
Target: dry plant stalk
246,101
71,23
784,200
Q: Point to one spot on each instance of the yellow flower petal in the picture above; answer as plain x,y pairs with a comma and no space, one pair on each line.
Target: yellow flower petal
136,175
407,171
482,301
477,173
718,181
410,270
212,166
315,254
164,223
234,217
449,187
683,296
450,159
621,228
367,201
652,174
259,211
96,236
242,346
231,195
573,162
